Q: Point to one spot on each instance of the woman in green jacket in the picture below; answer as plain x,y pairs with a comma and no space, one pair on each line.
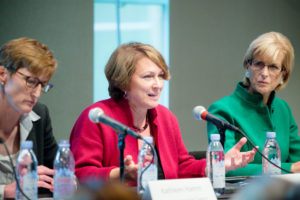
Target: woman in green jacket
254,107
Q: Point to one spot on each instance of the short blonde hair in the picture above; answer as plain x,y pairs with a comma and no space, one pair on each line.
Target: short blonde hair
271,45
28,53
122,64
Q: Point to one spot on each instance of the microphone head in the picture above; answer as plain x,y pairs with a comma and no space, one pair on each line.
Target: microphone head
197,112
94,114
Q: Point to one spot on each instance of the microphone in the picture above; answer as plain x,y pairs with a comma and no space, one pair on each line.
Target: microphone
200,113
97,115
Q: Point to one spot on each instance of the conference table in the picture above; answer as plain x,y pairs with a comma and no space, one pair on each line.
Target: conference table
234,184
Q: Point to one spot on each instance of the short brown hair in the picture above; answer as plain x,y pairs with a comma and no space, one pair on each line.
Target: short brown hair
122,64
28,53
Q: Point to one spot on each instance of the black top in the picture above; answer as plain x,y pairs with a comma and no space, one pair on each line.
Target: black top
160,172
44,143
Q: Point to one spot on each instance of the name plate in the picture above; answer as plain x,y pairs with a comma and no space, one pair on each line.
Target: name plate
181,189
294,178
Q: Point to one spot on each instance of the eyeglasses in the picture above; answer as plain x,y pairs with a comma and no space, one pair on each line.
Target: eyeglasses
34,82
260,65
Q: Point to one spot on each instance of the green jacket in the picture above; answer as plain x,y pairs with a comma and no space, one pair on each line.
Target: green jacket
246,111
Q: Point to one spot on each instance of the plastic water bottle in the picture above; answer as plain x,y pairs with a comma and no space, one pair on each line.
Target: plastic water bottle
215,164
272,151
147,165
26,169
64,172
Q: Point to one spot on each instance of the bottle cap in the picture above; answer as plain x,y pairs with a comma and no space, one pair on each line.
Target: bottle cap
149,139
26,144
64,143
271,135
215,137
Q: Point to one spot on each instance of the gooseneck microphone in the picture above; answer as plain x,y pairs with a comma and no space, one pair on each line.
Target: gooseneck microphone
200,113
97,115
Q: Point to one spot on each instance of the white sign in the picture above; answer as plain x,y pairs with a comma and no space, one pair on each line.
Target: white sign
294,178
181,189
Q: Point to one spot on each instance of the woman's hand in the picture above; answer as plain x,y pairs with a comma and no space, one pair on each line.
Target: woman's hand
234,158
45,180
45,175
130,170
295,167
10,190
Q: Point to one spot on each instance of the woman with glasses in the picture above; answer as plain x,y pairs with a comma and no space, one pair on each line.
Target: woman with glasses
254,107
26,67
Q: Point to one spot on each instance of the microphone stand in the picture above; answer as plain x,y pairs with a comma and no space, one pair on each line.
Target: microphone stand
222,130
121,146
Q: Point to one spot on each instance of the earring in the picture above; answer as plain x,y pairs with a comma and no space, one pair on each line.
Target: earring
247,74
125,95
281,81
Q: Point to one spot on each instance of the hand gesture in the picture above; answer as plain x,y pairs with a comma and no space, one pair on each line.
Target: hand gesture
130,172
234,158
